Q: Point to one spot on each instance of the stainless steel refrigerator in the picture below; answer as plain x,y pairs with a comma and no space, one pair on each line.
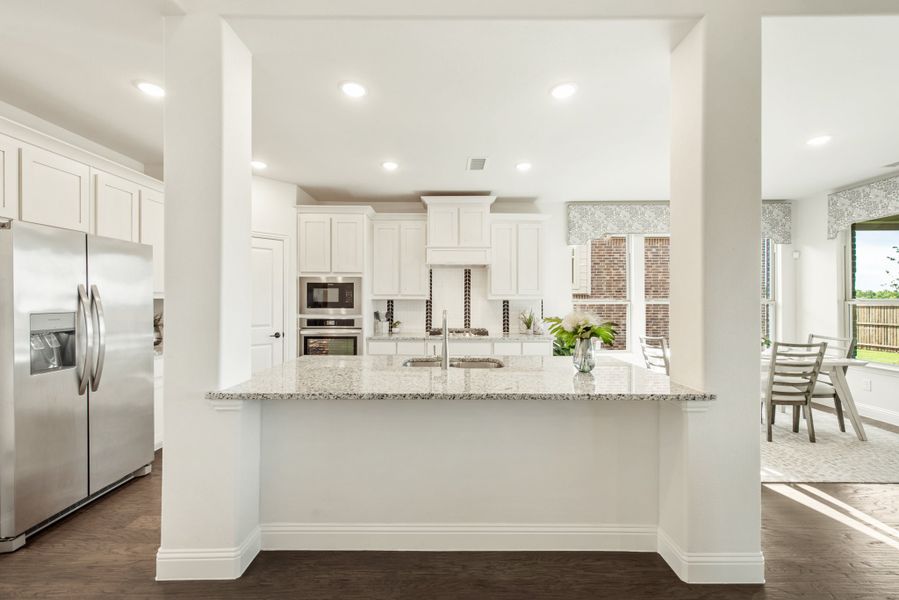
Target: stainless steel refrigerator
76,371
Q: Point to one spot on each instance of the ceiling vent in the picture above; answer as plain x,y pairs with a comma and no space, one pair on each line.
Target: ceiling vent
891,165
477,164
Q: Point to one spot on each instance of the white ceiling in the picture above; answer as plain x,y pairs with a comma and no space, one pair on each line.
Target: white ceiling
442,91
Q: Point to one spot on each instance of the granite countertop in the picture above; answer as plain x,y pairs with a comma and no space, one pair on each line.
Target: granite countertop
523,378
415,336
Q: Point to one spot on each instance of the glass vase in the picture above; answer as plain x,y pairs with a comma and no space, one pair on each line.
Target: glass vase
583,357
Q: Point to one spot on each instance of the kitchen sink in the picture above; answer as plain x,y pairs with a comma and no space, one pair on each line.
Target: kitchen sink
456,363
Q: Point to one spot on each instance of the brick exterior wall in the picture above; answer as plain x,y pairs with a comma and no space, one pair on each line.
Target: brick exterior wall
615,313
608,269
657,320
656,279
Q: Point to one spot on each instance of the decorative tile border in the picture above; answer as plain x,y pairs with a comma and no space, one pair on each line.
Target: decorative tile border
389,316
467,300
429,303
594,220
505,316
862,203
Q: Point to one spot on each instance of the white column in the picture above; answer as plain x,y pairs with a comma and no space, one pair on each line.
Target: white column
210,495
709,510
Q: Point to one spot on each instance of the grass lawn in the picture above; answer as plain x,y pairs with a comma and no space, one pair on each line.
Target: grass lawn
890,358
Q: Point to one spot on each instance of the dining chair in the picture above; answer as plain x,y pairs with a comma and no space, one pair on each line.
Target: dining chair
656,354
792,373
824,388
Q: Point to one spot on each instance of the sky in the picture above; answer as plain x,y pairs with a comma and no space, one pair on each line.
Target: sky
871,251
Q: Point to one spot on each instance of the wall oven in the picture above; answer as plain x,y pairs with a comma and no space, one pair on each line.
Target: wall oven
330,336
330,296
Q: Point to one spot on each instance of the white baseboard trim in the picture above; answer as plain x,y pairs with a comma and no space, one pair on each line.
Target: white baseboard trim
458,537
210,563
878,413
706,567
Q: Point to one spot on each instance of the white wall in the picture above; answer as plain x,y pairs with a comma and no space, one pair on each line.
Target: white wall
274,213
819,304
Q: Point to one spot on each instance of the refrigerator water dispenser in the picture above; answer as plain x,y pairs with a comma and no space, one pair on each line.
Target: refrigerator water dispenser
52,342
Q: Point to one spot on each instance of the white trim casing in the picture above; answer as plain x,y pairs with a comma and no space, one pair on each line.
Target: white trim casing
207,563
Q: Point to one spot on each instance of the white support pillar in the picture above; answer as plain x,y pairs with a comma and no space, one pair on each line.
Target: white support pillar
210,492
709,505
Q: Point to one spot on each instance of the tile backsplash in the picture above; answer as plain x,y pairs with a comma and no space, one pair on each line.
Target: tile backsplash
448,287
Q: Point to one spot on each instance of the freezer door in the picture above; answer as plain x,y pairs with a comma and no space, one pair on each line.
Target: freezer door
43,336
120,278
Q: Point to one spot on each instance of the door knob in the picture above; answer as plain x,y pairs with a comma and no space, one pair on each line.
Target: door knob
276,335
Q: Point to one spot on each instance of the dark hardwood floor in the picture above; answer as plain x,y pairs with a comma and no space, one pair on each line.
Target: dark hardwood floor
107,551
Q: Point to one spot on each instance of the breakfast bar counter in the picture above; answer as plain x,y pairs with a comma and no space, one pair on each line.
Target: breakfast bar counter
518,378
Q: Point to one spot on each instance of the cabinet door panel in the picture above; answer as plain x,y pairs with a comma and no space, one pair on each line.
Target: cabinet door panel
385,259
347,243
55,190
116,204
502,260
315,243
530,260
443,226
9,177
152,232
413,260
474,230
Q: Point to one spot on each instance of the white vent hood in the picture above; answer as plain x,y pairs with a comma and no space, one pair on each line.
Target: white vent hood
458,230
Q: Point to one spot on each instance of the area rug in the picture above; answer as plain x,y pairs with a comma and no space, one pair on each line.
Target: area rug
836,457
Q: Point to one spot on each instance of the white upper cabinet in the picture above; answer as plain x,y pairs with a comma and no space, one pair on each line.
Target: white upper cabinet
458,229
116,207
332,242
516,257
385,259
503,262
9,177
399,269
55,190
152,232
347,243
315,243
413,260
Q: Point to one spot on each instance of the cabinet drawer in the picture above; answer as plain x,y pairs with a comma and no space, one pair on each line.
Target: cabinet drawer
415,348
537,348
506,348
470,348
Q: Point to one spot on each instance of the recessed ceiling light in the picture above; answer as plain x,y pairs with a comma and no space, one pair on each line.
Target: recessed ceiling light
353,89
523,167
258,164
150,89
819,140
563,91
389,165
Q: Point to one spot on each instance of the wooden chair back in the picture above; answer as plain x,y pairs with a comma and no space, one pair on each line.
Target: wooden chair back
655,354
792,372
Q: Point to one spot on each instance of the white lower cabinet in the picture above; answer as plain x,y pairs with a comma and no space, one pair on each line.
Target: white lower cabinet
434,347
381,347
507,348
537,348
415,348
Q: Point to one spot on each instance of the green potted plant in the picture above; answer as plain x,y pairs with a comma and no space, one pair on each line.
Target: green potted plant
395,326
575,335
528,320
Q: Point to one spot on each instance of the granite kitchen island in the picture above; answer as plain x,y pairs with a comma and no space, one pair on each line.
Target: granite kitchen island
364,453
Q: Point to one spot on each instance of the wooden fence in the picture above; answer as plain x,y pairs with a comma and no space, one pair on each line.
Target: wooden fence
877,327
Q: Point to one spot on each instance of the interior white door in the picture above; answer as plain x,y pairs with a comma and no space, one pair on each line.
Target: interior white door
268,341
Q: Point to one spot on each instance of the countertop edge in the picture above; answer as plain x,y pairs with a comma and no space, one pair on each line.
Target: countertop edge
226,395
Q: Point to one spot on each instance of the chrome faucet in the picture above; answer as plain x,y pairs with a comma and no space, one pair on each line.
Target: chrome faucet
444,360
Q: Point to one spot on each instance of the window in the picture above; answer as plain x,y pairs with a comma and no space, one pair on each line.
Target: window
626,280
769,304
874,289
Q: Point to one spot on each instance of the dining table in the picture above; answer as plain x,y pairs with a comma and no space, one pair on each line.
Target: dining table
835,367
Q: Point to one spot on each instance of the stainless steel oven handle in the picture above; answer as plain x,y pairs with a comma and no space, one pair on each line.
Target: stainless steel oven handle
334,331
99,318
84,336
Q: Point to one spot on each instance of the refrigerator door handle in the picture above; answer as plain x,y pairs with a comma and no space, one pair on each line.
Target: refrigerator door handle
84,334
99,320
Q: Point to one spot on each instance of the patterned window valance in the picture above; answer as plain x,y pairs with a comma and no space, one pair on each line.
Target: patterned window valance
593,220
863,203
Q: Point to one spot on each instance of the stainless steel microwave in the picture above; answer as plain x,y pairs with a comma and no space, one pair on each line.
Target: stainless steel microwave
330,295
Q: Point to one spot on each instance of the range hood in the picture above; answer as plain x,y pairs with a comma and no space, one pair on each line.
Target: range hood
458,230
